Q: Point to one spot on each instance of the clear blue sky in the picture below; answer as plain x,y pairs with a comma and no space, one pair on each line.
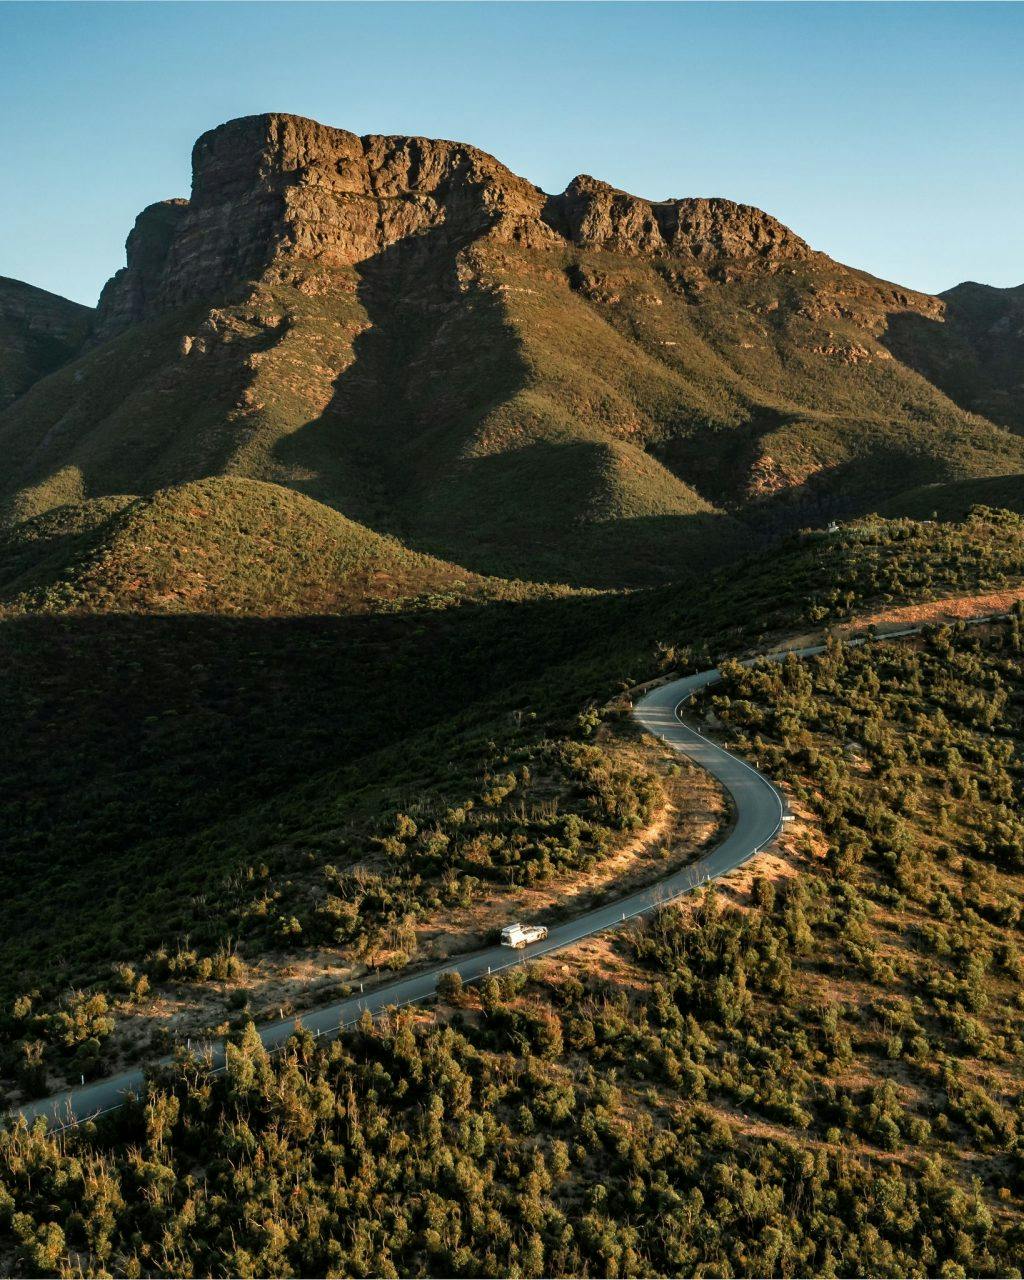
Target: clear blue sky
890,136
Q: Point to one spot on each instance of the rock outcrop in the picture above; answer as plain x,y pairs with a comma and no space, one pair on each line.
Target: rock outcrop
596,216
272,187
276,186
137,288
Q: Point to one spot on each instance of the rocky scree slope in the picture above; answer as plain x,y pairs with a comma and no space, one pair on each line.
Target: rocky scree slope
586,387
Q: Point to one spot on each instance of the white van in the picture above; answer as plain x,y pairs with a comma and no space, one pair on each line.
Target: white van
521,935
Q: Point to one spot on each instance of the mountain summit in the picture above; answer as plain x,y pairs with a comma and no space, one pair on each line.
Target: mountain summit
275,188
588,387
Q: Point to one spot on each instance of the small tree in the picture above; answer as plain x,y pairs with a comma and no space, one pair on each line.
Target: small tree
449,987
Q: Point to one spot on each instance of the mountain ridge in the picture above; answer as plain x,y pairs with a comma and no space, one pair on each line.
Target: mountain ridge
273,185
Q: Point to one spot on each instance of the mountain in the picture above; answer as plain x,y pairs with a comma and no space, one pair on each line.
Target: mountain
39,331
587,387
976,354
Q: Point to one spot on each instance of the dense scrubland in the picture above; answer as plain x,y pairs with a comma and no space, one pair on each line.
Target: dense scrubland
185,792
824,1078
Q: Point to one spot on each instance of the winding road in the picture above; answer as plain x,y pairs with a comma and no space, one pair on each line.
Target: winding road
759,812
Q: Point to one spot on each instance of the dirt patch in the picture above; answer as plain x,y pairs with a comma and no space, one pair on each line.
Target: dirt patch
951,609
787,858
599,957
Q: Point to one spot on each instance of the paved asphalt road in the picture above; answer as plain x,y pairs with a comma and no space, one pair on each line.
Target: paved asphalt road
758,817
759,811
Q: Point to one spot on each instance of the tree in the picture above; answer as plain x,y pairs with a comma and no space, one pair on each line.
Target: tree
449,987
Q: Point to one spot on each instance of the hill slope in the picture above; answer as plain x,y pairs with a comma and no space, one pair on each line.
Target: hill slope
976,355
219,546
158,736
843,1050
39,331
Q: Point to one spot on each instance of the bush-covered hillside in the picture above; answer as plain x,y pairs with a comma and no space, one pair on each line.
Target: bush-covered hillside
955,501
823,1079
819,579
188,784
223,546
566,413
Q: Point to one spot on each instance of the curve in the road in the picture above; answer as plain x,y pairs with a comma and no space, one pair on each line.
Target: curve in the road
759,811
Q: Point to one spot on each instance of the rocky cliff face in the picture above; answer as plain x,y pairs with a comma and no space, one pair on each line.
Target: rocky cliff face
137,288
273,187
596,216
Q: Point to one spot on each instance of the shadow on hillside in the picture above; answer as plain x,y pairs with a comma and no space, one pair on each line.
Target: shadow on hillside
147,758
935,351
718,462
132,414
425,373
545,521
847,491
394,448
954,501
42,561
974,355
113,692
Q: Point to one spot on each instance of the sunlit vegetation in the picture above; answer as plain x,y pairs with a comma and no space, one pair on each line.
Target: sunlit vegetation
223,546
818,578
